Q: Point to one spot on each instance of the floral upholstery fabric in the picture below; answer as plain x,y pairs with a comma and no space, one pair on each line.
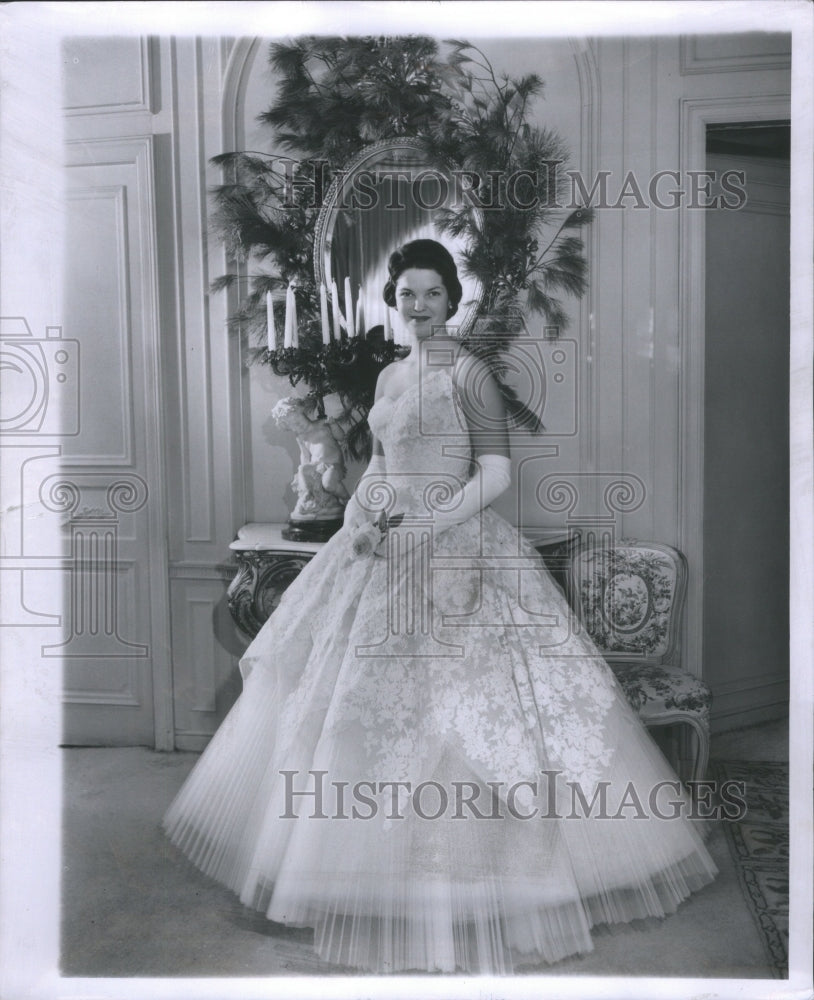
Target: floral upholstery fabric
629,599
656,691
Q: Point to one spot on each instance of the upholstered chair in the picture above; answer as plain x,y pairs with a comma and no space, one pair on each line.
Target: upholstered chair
629,597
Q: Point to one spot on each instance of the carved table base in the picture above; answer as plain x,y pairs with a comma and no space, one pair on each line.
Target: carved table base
267,565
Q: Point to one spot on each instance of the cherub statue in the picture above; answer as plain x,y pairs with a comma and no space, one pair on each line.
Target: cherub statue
321,492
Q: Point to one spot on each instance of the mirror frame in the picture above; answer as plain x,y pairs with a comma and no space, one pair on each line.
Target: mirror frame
332,204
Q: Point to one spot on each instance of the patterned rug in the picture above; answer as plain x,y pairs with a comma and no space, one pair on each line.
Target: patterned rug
759,844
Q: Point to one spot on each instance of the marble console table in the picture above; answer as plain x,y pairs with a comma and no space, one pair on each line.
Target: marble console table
267,563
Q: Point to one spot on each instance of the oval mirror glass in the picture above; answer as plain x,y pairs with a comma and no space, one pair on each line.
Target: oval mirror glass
385,197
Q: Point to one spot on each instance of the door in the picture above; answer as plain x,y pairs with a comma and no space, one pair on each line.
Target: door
110,485
746,433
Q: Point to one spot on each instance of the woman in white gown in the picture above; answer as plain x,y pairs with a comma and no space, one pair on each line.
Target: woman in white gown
427,764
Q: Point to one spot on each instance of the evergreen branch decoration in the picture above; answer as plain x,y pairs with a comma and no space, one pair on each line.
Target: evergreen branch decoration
337,96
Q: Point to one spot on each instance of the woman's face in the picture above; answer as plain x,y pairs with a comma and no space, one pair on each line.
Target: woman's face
422,301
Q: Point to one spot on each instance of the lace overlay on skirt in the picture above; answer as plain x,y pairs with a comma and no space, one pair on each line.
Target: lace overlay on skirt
459,670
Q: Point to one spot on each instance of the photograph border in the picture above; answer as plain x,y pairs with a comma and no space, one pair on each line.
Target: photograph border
30,709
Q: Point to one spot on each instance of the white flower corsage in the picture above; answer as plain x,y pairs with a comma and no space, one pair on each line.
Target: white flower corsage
367,539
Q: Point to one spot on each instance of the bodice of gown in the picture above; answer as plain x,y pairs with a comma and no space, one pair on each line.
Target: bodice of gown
426,445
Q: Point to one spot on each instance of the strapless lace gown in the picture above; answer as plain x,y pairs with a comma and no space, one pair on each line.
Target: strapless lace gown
458,675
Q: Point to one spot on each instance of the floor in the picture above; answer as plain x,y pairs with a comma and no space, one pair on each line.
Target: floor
133,905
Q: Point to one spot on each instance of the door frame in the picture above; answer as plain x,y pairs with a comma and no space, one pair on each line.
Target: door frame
696,114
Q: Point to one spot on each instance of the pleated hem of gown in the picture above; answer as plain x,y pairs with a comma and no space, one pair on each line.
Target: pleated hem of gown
457,930
485,926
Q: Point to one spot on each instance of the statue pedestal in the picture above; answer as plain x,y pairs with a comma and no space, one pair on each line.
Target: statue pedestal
310,531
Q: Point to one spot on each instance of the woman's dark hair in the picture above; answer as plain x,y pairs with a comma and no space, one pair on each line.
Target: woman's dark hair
430,256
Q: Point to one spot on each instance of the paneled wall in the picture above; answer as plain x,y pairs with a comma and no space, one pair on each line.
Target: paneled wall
205,467
630,404
110,490
161,377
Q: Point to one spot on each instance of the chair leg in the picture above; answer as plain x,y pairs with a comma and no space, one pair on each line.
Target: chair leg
698,752
676,746
699,768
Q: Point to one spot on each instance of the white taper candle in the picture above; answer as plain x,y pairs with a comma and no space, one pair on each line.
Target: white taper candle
359,323
335,310
349,317
295,333
288,317
323,312
271,330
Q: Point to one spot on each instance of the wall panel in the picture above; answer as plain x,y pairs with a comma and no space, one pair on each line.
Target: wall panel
91,88
206,680
206,382
110,489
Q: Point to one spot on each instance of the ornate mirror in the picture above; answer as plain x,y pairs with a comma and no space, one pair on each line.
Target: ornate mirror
387,195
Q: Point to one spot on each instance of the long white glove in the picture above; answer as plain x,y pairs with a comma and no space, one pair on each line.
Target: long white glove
355,514
494,476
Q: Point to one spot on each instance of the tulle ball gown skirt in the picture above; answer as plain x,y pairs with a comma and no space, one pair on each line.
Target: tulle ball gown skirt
435,770
430,764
